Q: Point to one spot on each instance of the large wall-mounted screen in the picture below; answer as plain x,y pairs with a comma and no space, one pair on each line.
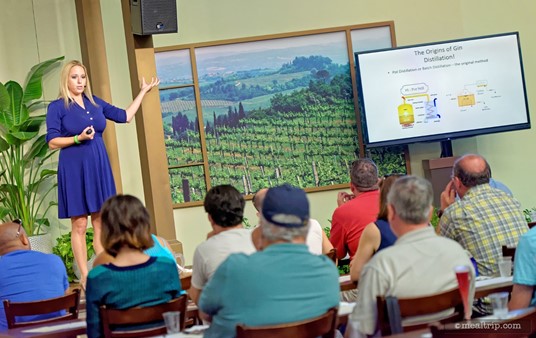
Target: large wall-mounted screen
442,90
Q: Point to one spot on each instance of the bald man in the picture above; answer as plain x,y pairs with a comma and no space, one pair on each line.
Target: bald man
27,275
317,241
484,218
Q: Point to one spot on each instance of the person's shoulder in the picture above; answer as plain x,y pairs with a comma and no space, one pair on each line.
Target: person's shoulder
56,105
34,254
57,101
347,207
164,261
98,271
238,259
529,237
447,245
98,100
313,223
451,211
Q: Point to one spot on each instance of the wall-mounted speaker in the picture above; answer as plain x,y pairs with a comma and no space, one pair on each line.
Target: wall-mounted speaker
153,16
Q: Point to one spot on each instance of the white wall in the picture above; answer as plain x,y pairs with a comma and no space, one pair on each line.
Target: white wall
32,32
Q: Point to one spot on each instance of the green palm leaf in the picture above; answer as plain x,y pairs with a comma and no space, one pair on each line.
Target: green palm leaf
25,180
13,117
4,99
33,89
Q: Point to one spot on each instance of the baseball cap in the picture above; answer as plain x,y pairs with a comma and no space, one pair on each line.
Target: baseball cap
286,206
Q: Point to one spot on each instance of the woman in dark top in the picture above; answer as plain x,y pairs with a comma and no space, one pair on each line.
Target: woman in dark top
376,236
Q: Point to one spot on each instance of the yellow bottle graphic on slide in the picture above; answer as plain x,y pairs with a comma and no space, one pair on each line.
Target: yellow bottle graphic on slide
405,114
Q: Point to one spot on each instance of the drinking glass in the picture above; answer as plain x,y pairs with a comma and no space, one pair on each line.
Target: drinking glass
463,275
499,302
172,320
505,266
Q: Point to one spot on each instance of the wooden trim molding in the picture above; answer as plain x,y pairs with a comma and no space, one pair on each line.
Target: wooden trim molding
92,45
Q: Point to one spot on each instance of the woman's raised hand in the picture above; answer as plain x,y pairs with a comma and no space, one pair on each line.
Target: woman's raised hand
148,86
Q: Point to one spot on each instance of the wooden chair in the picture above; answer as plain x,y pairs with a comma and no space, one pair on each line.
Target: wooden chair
508,252
113,318
392,310
322,326
67,302
186,282
192,314
523,325
332,254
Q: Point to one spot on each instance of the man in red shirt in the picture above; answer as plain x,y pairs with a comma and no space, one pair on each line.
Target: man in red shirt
355,210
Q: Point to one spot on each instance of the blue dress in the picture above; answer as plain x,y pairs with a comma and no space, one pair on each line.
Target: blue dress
85,178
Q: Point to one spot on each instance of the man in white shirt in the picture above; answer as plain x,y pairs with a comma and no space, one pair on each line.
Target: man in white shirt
317,241
225,208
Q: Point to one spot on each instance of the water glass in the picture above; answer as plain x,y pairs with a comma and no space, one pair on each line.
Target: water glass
173,321
499,302
505,266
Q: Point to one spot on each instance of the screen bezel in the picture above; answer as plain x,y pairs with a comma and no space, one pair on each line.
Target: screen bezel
443,136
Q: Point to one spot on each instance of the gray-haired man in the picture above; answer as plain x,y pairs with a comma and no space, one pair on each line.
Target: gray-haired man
281,284
420,262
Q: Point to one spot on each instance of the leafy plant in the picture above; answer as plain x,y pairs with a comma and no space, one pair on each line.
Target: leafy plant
345,268
327,230
435,218
23,152
247,224
64,251
528,214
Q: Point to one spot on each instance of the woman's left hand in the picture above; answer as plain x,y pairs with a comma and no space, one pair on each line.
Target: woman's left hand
148,86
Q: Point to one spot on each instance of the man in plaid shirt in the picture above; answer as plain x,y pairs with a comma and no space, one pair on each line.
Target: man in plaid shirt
484,218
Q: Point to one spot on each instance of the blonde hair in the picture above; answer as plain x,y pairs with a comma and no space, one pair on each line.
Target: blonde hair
65,94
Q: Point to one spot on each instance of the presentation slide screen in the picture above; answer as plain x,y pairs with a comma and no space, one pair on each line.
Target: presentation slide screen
442,90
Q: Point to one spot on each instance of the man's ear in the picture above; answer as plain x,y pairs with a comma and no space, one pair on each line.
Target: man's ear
24,239
391,212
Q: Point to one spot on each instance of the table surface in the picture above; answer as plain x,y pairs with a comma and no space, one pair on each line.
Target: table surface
425,333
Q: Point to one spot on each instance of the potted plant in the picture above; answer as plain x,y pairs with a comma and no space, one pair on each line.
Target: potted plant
25,179
64,251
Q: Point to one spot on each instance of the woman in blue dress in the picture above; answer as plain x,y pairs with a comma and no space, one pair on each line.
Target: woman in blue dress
75,123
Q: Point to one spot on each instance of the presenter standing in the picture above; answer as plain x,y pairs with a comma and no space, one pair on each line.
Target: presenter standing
75,123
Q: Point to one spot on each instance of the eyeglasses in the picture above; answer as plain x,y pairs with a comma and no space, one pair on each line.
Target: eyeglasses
19,222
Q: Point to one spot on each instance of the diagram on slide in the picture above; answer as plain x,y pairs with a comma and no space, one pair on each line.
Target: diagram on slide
477,96
418,106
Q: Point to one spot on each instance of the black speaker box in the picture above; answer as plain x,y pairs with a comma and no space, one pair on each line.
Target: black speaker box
153,16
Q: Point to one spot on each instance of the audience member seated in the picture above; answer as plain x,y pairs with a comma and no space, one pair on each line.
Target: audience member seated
225,208
132,278
377,235
316,240
499,185
283,283
420,263
484,218
355,210
523,292
21,267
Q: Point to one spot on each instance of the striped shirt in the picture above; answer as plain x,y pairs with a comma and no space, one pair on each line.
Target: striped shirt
482,221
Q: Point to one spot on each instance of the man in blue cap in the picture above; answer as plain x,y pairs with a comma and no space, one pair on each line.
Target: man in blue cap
283,283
